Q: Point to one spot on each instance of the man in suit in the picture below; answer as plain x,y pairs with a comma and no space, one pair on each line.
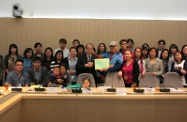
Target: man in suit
85,63
38,74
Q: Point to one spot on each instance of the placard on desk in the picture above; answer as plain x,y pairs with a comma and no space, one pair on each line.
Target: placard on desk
102,63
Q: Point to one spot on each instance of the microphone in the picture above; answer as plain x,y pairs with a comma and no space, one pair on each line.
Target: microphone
112,89
165,89
137,90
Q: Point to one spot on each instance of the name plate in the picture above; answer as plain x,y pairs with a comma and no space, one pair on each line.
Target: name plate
139,90
52,90
164,90
17,89
39,89
76,90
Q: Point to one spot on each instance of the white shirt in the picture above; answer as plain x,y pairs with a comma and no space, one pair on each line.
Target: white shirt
181,65
65,52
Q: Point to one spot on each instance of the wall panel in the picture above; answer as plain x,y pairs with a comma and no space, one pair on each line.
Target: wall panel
25,32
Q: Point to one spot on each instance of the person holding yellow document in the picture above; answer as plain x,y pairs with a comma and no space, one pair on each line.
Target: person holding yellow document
102,63
115,59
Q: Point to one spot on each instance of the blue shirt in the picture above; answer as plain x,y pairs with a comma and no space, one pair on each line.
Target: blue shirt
116,60
27,63
72,66
14,79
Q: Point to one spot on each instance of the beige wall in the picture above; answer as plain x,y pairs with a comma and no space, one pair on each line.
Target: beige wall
25,32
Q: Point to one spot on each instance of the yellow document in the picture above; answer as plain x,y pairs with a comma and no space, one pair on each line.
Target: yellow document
102,63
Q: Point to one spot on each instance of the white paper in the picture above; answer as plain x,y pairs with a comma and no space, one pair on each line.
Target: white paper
176,90
149,90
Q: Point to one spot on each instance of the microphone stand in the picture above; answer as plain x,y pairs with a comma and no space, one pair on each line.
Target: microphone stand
112,89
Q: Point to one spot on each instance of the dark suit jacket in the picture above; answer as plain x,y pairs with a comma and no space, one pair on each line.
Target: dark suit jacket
80,67
44,76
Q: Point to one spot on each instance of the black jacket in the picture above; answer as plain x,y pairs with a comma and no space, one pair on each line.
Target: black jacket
80,67
44,78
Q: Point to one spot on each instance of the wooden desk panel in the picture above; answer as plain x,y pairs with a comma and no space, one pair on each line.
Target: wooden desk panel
94,108
128,108
12,113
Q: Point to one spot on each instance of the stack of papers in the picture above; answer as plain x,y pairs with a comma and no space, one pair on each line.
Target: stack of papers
121,91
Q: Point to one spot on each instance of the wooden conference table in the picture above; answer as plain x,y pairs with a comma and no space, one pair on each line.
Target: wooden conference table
97,106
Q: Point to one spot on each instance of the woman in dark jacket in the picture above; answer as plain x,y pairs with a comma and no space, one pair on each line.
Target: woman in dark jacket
129,70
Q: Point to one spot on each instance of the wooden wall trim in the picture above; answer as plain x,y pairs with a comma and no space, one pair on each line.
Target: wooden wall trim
25,32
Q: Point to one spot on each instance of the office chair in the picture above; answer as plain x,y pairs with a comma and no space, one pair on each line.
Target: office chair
149,80
113,80
86,75
172,79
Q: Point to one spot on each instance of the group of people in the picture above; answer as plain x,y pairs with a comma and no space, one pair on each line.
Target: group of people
62,66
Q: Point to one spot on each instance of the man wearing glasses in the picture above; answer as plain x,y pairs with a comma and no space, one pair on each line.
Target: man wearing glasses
18,77
161,46
115,58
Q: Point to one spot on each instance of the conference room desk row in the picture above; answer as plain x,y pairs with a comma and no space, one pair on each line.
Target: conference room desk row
30,106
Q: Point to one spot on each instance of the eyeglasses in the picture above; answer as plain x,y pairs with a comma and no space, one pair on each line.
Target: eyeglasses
123,44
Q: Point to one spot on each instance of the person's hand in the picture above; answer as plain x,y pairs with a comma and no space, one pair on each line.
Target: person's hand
120,74
7,71
90,64
176,68
183,72
154,73
65,76
59,80
125,77
105,69
72,72
69,71
111,65
143,75
49,84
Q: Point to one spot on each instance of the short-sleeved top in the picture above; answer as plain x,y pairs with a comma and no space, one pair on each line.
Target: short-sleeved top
182,67
27,63
14,79
65,52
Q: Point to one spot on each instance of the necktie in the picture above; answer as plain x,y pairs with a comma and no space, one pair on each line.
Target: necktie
89,58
